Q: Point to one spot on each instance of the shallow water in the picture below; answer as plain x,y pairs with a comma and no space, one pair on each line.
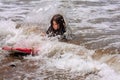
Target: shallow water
92,53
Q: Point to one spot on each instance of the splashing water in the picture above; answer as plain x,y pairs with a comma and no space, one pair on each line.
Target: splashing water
92,54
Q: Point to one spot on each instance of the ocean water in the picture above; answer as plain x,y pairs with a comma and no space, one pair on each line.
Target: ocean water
91,53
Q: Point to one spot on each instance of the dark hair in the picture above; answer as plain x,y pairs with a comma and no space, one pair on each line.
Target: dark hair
59,20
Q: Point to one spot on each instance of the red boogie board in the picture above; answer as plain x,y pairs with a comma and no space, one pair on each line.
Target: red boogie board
20,50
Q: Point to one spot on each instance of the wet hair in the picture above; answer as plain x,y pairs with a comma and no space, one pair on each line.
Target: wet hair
58,18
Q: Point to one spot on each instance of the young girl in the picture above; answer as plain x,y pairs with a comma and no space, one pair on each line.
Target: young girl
57,27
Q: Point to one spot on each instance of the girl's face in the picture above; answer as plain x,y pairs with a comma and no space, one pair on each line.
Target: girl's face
55,25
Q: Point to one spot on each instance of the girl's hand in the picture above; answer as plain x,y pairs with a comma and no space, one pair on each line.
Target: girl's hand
43,34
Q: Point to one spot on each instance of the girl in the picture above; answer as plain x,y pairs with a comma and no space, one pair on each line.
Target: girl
57,26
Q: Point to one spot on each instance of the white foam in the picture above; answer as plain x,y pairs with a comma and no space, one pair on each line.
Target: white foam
7,27
69,58
107,73
73,63
43,12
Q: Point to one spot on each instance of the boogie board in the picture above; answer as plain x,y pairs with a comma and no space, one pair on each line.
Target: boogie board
20,50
